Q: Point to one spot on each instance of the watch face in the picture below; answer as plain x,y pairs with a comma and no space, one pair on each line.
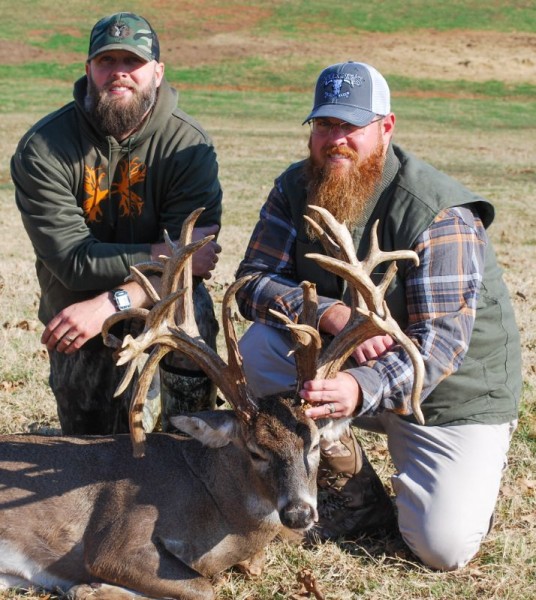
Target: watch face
122,299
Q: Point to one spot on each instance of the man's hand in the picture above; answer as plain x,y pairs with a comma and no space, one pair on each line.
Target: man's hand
334,320
372,348
334,398
70,329
205,259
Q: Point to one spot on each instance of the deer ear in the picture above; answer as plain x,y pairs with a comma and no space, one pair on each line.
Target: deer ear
214,429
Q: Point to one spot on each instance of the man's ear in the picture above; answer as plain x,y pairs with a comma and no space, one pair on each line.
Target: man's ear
388,126
159,73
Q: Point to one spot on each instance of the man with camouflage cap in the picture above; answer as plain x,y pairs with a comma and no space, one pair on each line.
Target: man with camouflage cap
97,182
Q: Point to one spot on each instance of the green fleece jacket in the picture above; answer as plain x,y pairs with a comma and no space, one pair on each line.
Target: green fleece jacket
92,206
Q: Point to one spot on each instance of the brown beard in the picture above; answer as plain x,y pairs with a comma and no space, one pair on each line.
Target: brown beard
114,117
343,192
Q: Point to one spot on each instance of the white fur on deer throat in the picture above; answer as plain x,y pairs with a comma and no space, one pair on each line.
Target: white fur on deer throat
332,429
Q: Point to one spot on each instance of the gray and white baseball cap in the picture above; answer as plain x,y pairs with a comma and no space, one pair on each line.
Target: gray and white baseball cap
351,91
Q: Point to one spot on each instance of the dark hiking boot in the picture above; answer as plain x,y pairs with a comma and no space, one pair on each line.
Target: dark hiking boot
351,497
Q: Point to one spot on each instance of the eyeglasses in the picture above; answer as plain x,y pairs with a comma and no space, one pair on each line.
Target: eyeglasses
323,127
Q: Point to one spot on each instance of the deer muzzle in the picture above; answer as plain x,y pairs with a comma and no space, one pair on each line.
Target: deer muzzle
298,515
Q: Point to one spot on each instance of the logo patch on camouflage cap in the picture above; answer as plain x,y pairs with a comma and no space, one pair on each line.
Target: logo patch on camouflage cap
119,30
124,31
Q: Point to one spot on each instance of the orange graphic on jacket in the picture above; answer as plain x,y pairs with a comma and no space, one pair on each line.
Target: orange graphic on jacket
92,182
130,203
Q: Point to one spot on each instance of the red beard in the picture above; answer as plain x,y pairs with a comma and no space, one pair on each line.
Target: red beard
344,192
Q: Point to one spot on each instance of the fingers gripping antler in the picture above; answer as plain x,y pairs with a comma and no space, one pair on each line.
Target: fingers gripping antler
367,300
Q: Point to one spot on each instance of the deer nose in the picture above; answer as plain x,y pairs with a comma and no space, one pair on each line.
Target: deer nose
298,515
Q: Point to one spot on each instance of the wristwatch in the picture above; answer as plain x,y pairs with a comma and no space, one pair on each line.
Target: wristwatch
121,299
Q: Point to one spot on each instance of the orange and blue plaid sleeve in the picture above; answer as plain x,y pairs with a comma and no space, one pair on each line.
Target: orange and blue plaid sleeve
269,258
442,294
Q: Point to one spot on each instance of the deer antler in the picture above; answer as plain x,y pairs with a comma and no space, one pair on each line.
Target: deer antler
369,312
170,326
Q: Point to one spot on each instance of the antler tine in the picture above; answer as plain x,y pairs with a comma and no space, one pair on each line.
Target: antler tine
307,346
339,233
307,340
137,402
375,256
310,304
374,308
111,340
341,247
183,278
136,274
389,325
327,242
240,395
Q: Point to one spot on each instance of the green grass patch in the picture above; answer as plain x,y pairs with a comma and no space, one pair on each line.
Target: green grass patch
34,95
29,72
461,87
64,43
257,74
38,21
466,114
41,24
306,16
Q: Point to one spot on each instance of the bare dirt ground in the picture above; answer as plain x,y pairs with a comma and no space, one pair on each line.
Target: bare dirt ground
470,55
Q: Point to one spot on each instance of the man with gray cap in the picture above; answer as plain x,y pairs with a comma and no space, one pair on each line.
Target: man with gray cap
97,182
454,305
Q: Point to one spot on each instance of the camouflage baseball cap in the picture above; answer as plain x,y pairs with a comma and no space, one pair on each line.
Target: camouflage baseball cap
124,31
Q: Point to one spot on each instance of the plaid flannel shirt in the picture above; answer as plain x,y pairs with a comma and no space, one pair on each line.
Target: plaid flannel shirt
441,295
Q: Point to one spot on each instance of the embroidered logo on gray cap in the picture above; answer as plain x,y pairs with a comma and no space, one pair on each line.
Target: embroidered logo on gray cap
336,80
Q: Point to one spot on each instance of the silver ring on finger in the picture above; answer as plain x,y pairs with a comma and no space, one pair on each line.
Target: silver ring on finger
332,408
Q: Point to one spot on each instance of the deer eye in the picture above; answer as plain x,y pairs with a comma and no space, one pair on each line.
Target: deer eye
256,456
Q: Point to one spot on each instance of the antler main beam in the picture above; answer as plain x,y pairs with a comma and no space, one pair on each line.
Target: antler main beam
170,326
